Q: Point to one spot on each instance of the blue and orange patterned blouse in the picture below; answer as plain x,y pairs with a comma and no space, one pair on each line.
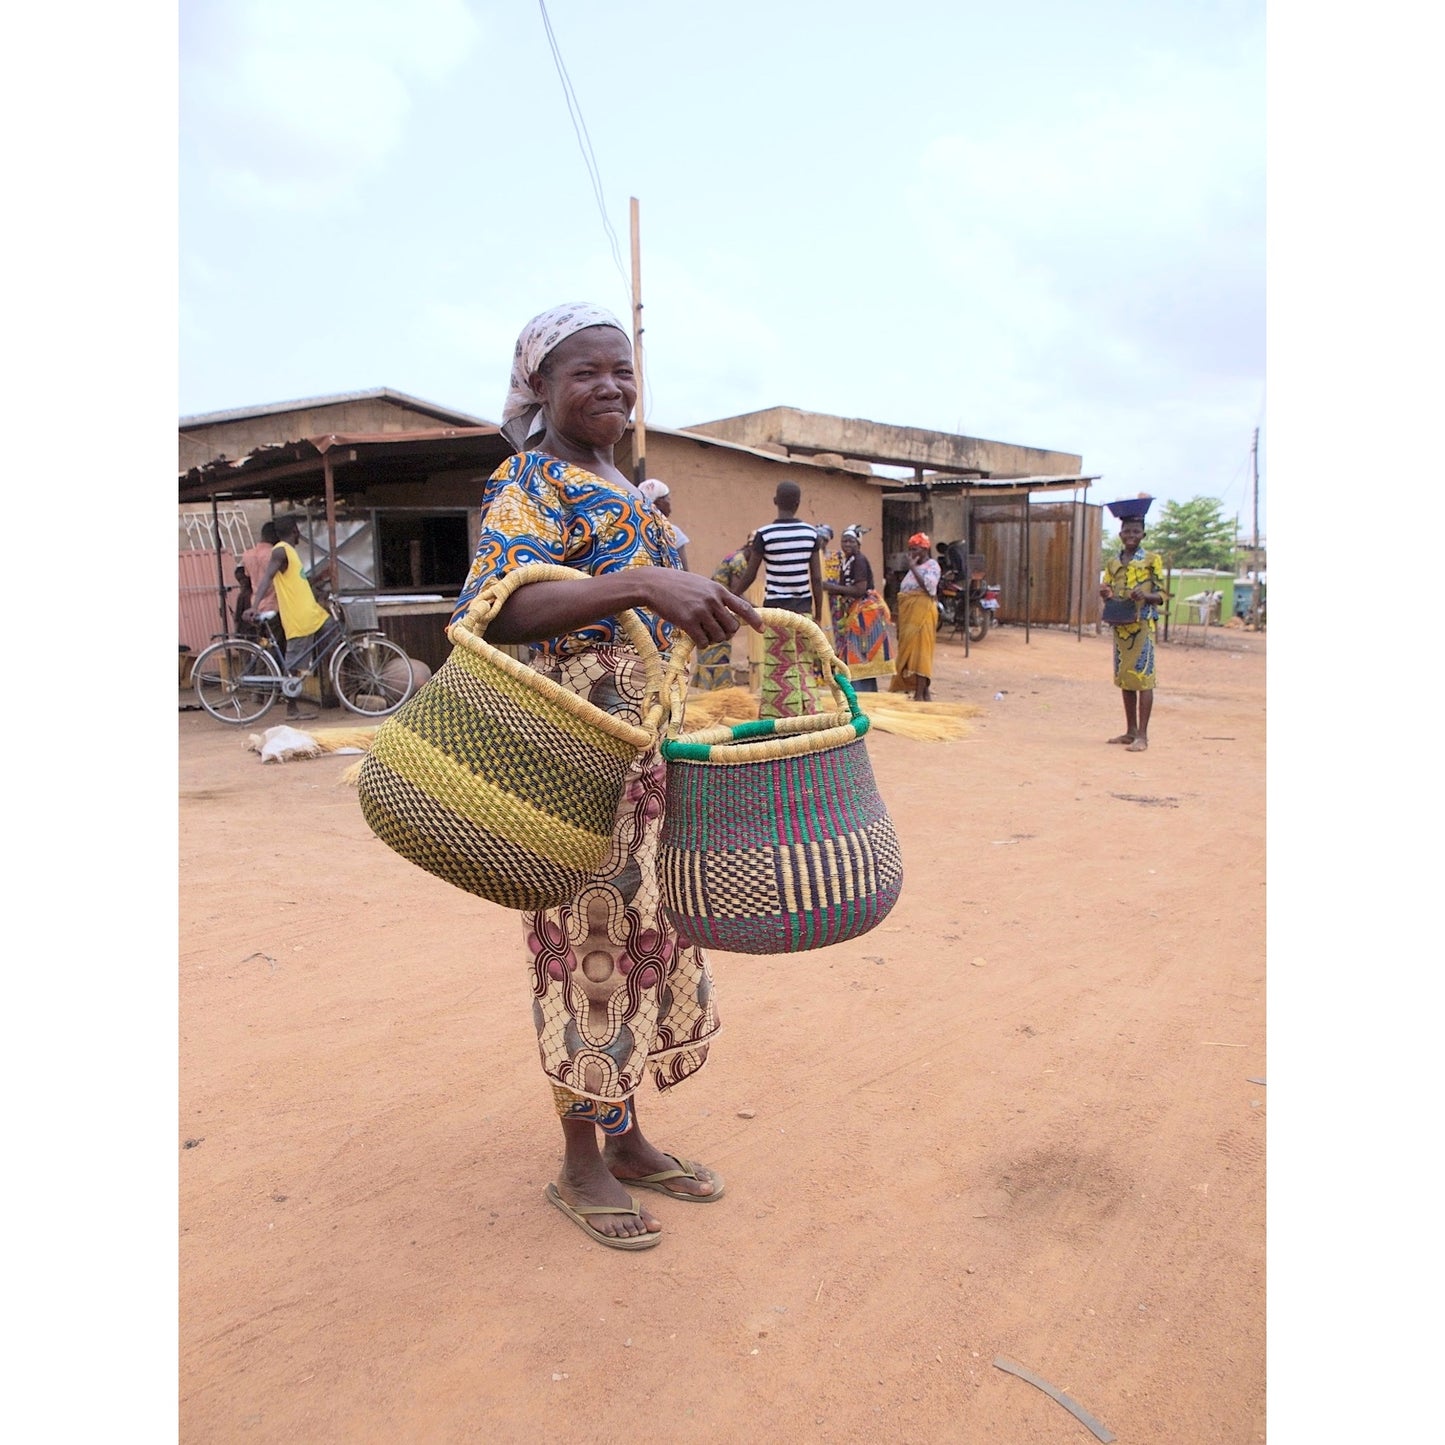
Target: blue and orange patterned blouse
538,508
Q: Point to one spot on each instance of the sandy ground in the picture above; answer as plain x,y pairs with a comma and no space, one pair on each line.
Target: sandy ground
1024,1118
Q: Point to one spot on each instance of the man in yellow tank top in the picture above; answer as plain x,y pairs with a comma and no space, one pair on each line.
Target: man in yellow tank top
310,629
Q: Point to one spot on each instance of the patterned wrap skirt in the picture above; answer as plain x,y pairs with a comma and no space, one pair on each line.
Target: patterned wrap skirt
1134,656
917,632
860,626
616,991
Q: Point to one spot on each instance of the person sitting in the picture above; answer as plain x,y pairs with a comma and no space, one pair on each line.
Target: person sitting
715,662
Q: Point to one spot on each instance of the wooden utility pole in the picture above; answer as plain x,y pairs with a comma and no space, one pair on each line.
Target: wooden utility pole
1254,547
639,425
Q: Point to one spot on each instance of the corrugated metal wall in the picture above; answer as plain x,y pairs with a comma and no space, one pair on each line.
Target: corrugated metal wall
1062,554
200,603
1056,576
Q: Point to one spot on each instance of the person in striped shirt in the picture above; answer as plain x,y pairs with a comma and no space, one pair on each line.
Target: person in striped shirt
790,551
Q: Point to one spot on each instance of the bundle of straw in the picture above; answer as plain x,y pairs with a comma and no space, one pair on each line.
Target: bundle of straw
934,722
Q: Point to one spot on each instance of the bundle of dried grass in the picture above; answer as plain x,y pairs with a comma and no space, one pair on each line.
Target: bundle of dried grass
345,740
723,705
937,722
927,722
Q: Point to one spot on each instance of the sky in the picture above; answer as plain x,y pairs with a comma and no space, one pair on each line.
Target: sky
1040,223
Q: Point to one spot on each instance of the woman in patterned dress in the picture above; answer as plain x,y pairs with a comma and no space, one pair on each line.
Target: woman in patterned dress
1138,576
860,616
616,991
917,620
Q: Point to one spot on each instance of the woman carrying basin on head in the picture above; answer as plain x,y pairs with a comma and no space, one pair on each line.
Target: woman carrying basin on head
616,992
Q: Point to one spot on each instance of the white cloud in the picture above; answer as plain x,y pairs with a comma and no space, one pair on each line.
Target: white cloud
289,106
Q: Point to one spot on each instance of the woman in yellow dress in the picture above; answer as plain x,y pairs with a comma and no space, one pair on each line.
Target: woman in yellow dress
1133,586
917,620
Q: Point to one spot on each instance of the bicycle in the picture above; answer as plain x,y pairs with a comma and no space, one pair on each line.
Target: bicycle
238,681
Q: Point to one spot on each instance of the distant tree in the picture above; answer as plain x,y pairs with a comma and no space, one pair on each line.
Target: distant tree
1108,549
1193,534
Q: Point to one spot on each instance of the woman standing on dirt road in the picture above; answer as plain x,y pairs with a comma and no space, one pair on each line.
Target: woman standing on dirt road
1134,584
615,991
860,615
917,620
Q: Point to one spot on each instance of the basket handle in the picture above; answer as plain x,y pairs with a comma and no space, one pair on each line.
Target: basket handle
780,620
469,630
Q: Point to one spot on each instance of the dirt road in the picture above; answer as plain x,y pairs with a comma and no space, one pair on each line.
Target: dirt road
1024,1118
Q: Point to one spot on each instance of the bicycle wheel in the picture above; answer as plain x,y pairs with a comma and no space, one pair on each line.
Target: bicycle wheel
236,682
371,674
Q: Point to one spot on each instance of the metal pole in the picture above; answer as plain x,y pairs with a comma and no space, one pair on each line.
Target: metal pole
330,484
1028,571
967,569
220,571
1073,548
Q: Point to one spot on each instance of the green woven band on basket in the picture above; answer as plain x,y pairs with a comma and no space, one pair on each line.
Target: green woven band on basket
763,727
685,752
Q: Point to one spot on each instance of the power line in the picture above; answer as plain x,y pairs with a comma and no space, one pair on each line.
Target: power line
584,141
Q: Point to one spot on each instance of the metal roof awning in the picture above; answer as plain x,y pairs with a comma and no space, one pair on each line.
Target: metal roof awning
354,461
991,486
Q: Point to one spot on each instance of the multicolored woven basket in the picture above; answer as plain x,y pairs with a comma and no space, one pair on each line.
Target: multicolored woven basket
495,778
775,838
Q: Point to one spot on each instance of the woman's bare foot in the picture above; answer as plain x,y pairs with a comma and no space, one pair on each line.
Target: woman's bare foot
1140,744
1125,738
631,1156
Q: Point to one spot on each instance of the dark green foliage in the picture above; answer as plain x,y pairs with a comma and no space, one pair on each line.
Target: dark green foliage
1192,534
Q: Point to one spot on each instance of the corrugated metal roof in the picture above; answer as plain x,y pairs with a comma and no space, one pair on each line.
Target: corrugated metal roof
381,393
992,486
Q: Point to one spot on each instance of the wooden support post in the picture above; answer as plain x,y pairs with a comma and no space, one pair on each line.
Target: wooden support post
330,484
639,423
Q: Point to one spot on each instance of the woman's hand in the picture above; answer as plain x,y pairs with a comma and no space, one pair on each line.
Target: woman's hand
1105,591
706,610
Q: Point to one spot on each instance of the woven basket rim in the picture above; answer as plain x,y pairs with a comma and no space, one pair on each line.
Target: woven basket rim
468,632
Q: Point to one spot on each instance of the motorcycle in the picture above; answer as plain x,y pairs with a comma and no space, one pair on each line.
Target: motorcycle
974,599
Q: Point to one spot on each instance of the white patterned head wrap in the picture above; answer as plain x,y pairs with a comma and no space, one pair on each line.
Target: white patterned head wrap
522,411
652,489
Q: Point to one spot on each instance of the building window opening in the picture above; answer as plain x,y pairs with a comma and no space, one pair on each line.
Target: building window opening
422,553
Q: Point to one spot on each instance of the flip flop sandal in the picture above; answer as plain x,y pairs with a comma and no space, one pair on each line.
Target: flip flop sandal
685,1170
578,1216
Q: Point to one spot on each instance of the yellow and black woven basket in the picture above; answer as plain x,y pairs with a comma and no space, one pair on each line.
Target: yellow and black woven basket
775,838
497,779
